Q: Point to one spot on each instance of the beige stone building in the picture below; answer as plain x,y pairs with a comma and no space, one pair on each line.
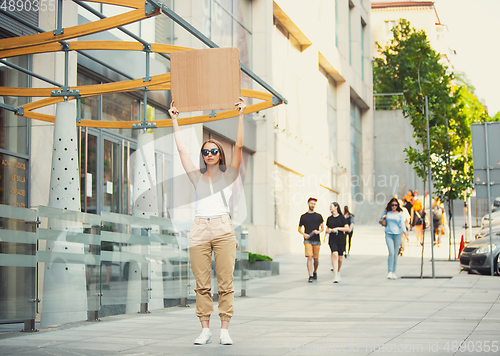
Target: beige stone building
323,138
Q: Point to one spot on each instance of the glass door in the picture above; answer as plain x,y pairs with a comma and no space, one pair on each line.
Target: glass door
88,170
112,174
105,172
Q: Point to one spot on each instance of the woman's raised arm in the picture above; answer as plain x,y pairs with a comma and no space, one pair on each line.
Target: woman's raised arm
191,170
238,146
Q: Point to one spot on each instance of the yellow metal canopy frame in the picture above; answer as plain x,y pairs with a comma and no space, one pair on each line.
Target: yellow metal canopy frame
47,42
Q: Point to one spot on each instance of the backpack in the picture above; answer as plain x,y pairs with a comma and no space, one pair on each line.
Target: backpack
436,213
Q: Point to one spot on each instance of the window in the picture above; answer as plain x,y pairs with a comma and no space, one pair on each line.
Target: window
356,149
14,163
388,26
228,24
14,181
14,129
107,159
121,107
110,107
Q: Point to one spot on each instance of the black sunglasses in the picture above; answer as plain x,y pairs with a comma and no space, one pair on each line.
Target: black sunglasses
213,151
394,204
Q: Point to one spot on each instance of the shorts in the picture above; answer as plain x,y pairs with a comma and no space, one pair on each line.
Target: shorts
312,250
337,246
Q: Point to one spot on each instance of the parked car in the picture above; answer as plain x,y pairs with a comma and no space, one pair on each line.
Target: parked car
495,219
475,256
486,231
496,204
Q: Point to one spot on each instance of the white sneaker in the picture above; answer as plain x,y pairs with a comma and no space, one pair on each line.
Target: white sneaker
225,339
204,338
394,276
336,278
389,276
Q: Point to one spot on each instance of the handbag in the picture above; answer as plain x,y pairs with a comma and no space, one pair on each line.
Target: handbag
383,222
419,220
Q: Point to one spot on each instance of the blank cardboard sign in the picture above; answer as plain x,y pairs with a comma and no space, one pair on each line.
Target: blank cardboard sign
206,79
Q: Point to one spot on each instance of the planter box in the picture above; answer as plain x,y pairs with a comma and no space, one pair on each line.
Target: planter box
271,266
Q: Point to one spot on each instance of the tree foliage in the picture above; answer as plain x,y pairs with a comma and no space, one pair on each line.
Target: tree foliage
410,66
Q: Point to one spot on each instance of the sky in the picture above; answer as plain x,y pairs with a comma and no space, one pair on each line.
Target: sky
474,34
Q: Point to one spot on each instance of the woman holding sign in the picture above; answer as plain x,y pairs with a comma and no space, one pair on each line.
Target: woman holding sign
212,228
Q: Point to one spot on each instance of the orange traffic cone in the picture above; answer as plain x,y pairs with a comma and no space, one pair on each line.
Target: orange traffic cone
462,245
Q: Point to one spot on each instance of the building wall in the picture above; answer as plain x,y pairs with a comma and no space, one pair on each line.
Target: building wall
393,133
313,131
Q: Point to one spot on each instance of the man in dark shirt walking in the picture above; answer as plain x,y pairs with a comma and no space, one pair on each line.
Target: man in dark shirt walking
310,226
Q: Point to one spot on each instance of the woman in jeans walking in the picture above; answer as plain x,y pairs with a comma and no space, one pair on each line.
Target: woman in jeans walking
212,228
395,225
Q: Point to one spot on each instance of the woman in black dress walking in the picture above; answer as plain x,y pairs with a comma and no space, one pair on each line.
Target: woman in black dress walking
336,226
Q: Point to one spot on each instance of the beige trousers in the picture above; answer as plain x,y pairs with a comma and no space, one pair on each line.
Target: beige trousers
213,234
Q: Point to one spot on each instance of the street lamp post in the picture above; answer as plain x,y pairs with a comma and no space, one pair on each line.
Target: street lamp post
430,182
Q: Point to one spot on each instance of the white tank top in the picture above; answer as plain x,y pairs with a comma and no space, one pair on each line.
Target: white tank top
209,200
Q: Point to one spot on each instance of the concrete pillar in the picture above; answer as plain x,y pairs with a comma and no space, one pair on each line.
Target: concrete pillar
64,298
263,198
145,205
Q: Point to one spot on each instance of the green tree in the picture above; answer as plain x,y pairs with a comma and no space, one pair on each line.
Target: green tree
494,118
410,66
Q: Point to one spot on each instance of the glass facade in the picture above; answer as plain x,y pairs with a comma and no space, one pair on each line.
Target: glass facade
14,174
107,159
17,243
88,171
121,107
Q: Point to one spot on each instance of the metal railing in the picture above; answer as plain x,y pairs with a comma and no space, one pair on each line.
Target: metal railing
60,266
388,101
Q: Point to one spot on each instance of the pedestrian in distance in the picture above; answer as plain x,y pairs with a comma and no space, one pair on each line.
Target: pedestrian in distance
212,230
310,226
350,220
404,238
426,202
416,197
394,228
336,227
417,221
408,200
437,220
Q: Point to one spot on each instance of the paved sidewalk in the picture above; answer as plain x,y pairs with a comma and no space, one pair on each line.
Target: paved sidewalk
364,314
